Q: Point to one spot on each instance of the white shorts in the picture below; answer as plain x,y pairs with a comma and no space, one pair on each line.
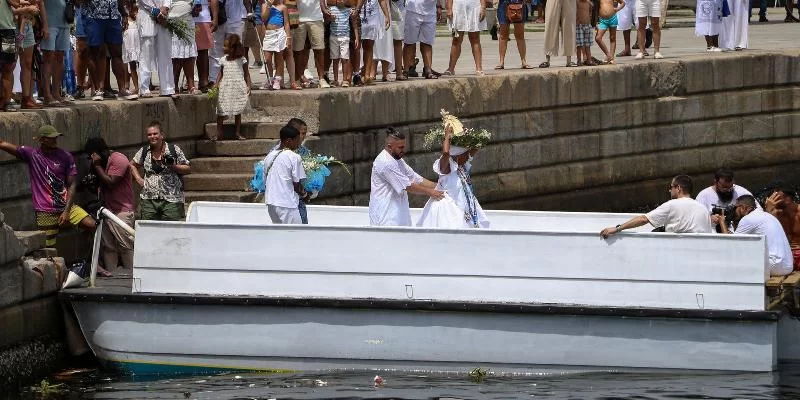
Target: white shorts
274,40
648,8
340,47
419,29
284,215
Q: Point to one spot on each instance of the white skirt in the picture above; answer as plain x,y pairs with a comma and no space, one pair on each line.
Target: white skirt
131,47
274,40
181,49
708,18
467,16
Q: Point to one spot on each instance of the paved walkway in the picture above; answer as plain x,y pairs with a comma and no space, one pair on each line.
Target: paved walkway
676,42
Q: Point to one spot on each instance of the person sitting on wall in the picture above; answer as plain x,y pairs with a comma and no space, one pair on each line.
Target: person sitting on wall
162,187
782,206
682,214
754,221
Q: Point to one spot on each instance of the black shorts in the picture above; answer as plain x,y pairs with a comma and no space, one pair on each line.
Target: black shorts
8,46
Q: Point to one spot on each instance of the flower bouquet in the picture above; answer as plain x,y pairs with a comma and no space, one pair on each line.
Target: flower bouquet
316,168
213,93
468,138
174,22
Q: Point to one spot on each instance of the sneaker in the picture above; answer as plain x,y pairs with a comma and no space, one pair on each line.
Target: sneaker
125,95
715,50
276,83
658,55
80,94
708,49
67,99
763,19
639,55
98,95
110,94
263,70
324,84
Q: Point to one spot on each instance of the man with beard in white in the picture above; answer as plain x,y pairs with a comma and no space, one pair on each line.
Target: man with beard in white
460,207
391,181
735,26
723,191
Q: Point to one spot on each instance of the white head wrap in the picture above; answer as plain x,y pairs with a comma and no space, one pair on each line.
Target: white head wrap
457,151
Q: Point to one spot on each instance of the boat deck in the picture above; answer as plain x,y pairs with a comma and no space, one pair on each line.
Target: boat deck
119,290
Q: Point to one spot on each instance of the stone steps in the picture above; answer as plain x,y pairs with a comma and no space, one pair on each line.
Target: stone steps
224,196
217,182
235,148
224,164
249,129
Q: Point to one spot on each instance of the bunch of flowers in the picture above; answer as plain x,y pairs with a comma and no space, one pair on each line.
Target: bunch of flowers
180,28
213,93
468,138
316,168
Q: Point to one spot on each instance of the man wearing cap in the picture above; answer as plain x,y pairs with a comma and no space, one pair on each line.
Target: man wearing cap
53,184
391,181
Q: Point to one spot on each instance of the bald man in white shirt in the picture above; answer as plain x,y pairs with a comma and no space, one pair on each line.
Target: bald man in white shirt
391,181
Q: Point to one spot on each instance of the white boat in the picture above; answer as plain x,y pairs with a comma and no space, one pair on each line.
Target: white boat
226,289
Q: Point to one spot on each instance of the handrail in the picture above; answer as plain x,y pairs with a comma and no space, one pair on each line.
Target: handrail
103,213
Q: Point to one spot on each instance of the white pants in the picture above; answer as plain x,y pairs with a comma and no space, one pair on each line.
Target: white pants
218,51
157,51
284,215
735,26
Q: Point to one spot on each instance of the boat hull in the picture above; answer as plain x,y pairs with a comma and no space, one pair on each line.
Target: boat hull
177,337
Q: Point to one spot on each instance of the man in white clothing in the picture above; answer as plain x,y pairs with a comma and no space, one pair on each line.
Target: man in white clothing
755,221
735,26
391,181
237,12
682,214
283,170
723,192
156,47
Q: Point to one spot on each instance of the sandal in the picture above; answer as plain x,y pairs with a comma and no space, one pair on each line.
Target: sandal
428,74
545,64
624,54
501,66
448,73
195,91
526,66
480,73
571,64
295,86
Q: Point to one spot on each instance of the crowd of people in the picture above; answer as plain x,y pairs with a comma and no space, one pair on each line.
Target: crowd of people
66,50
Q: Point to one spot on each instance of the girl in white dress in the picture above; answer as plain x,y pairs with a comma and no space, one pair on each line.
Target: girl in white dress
466,16
234,85
184,53
131,48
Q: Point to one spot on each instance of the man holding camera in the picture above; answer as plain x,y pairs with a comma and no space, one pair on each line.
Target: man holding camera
53,184
723,192
162,186
682,214
754,221
110,173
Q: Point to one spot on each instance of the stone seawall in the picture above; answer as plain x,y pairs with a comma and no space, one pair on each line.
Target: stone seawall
576,138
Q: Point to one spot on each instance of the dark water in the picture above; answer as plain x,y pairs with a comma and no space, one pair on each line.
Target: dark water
549,384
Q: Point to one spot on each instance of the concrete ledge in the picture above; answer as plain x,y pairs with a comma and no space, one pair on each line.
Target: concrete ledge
31,240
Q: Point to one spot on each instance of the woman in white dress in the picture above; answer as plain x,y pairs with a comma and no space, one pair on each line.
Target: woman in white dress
460,207
375,22
466,16
735,26
184,53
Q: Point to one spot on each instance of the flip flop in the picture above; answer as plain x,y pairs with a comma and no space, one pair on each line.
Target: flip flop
571,64
545,64
526,66
499,67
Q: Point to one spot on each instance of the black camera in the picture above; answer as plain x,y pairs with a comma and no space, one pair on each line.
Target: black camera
90,182
169,159
730,212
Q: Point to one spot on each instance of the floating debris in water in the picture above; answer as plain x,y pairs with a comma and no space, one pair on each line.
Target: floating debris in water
320,382
478,374
378,381
237,377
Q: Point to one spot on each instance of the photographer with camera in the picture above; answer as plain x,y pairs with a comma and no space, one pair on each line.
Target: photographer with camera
162,185
754,221
110,178
723,192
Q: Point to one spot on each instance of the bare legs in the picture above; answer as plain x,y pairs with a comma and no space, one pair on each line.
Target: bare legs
475,45
519,37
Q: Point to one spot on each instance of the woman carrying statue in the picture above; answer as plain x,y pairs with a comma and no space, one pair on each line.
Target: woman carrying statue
460,207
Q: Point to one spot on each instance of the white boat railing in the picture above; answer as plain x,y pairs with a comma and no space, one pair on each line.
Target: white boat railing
102,214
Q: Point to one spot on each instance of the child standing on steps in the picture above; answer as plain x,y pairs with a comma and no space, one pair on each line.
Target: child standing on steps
234,85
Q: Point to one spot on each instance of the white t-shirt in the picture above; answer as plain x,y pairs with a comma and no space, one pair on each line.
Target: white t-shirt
388,200
759,222
422,7
282,169
709,196
682,215
235,9
205,12
309,10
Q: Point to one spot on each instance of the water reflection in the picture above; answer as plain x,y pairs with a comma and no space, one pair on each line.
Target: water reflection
552,384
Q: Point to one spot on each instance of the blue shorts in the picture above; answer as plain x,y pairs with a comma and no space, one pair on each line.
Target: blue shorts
58,40
100,31
605,23
28,39
79,31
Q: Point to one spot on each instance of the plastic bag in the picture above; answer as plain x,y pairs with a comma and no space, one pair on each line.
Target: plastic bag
257,183
315,180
